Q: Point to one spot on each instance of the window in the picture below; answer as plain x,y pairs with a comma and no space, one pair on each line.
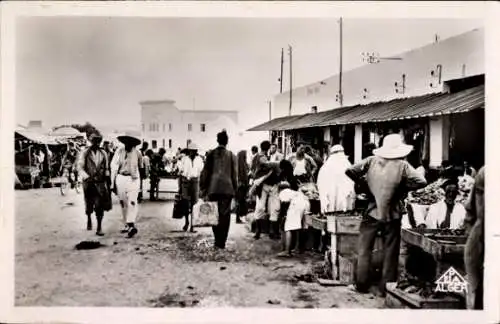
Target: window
188,142
169,143
153,143
190,127
169,127
163,142
203,127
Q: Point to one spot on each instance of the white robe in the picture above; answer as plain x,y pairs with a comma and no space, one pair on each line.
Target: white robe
437,214
336,189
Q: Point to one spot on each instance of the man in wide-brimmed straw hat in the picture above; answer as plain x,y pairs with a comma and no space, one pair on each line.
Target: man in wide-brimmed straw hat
93,166
125,178
190,167
387,177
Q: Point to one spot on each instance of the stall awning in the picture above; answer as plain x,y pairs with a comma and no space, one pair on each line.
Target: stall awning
409,108
304,121
274,123
36,137
406,108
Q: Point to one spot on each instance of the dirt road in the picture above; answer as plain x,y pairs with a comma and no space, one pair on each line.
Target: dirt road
160,267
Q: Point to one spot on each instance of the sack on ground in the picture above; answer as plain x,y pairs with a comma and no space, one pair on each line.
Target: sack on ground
205,213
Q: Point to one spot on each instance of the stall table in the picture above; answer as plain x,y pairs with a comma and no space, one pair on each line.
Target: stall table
446,249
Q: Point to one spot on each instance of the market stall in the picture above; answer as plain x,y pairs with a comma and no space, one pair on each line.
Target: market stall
38,156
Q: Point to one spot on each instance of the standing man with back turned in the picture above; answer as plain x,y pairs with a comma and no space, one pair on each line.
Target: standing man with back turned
387,177
219,182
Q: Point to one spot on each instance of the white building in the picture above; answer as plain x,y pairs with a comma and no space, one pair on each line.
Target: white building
370,95
459,57
164,125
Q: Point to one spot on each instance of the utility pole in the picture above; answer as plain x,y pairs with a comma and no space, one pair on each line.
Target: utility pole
340,67
281,74
290,56
270,132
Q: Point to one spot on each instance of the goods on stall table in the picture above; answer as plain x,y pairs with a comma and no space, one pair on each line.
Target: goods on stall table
426,196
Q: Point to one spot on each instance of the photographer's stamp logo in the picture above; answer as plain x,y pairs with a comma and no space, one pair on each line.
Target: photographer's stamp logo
451,281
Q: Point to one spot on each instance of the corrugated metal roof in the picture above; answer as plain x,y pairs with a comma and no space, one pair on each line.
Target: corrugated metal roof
397,109
305,121
274,123
410,108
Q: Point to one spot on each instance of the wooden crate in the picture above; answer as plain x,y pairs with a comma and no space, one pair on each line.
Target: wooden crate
347,268
347,244
405,300
343,224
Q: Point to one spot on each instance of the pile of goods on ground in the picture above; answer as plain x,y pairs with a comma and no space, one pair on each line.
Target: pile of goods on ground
412,285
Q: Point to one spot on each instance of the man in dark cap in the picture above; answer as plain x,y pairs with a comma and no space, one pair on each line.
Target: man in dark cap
93,166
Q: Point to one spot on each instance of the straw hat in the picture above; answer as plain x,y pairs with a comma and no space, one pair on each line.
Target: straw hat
336,149
393,148
132,137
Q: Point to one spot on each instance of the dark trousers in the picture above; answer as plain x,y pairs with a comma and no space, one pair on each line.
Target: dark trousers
391,235
154,187
241,201
222,229
94,195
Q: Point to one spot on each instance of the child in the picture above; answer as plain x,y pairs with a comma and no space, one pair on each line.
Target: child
299,205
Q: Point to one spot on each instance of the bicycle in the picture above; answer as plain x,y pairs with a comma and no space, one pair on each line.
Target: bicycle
67,179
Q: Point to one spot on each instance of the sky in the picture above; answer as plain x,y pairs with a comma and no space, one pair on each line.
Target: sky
98,69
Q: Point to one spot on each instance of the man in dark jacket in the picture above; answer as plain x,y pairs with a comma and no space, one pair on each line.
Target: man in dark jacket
219,182
387,177
474,248
94,167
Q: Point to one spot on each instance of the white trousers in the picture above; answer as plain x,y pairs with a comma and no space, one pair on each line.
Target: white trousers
127,190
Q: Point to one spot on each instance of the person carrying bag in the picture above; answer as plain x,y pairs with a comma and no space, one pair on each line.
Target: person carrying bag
218,184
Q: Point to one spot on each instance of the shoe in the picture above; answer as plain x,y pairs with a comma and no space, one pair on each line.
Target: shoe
185,228
354,288
99,233
124,230
284,254
132,232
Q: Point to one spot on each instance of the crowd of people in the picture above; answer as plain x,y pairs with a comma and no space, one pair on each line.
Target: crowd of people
281,190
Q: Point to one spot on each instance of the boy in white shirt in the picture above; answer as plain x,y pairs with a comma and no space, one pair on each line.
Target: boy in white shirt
446,213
